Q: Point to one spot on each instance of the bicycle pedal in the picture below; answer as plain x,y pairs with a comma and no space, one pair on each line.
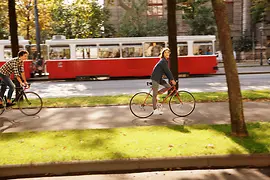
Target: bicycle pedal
159,106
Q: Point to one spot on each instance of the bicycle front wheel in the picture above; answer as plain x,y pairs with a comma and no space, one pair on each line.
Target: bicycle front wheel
141,105
30,103
182,103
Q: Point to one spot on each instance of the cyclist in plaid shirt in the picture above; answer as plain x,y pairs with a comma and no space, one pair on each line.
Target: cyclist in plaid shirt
15,66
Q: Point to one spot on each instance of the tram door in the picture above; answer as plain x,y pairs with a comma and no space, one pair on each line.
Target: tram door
38,66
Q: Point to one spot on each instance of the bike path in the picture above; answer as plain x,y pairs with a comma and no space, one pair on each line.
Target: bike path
120,116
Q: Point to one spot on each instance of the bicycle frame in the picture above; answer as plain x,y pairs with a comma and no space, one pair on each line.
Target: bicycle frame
21,93
181,103
173,90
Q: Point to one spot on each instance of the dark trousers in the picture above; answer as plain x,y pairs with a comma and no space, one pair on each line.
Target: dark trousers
6,82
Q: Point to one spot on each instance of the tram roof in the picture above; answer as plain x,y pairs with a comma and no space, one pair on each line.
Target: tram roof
129,40
8,42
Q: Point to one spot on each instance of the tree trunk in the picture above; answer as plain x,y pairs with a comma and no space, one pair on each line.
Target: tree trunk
13,29
172,33
235,98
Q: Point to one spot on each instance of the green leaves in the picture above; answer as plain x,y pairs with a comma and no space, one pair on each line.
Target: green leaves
3,20
136,23
258,9
198,16
81,19
243,44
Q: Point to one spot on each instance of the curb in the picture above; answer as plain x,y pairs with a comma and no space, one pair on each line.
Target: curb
135,165
244,73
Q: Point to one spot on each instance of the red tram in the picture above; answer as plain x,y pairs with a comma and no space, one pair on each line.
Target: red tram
120,57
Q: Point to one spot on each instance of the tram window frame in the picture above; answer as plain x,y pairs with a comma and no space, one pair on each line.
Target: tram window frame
43,49
112,51
204,46
182,46
147,45
134,50
64,55
91,49
8,51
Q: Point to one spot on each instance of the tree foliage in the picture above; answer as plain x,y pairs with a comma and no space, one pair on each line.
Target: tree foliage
81,19
258,9
245,44
3,20
198,16
136,23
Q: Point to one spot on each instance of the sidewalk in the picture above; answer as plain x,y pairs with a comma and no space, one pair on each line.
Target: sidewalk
248,63
120,116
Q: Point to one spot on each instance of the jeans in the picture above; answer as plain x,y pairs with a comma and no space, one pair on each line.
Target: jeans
6,82
155,86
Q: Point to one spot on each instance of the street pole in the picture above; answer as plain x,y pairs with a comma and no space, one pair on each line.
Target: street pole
253,46
261,55
37,31
39,61
172,36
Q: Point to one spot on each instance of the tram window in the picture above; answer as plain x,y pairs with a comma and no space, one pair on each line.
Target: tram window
182,49
86,52
202,48
153,49
8,52
109,51
32,50
57,52
132,50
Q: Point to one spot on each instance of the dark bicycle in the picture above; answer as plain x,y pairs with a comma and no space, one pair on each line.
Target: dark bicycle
29,103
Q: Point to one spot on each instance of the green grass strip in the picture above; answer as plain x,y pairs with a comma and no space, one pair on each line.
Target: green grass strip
124,99
132,142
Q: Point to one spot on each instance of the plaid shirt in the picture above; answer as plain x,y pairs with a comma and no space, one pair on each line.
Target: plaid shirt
12,66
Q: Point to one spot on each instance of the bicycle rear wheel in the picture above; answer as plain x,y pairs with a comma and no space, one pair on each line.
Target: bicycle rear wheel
182,103
3,106
30,103
141,105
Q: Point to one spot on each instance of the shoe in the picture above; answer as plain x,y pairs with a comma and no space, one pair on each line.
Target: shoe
10,104
157,112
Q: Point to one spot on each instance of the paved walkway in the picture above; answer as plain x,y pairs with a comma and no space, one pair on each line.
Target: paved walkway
217,174
120,116
248,63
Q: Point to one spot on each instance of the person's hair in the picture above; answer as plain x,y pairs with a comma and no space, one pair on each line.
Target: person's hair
22,52
163,51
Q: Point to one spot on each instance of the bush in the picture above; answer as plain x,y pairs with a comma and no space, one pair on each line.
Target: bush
243,44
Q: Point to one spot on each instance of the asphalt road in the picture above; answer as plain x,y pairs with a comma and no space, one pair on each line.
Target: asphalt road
131,86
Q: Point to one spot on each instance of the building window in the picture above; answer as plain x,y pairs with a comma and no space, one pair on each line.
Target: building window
155,8
229,4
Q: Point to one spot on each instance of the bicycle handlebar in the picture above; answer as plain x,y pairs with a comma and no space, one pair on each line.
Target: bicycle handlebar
26,87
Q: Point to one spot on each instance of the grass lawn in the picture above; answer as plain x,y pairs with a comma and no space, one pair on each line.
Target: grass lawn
132,142
124,99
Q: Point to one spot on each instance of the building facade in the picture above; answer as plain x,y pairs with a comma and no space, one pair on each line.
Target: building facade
239,17
238,14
